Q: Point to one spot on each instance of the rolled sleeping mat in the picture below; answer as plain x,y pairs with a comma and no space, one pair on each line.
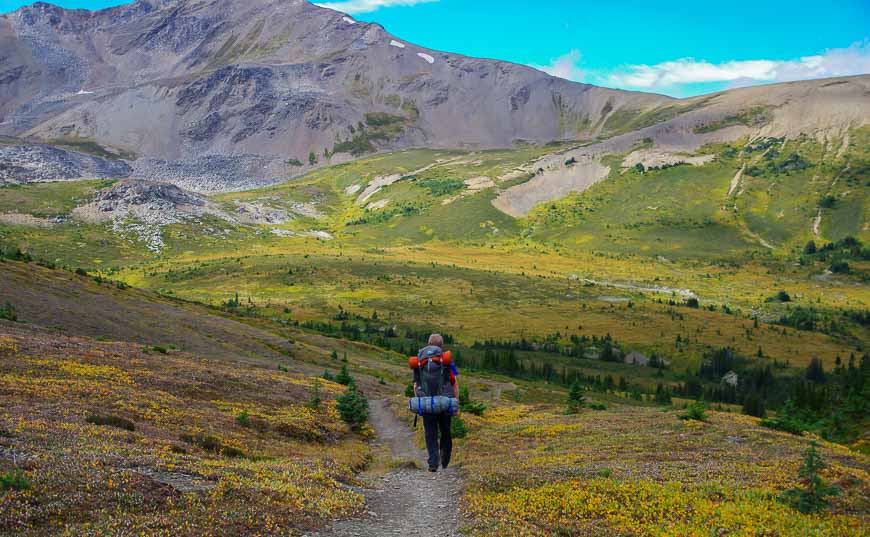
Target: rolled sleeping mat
446,360
438,404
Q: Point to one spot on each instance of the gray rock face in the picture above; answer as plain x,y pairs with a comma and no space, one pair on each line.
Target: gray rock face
177,81
141,209
134,193
28,163
213,173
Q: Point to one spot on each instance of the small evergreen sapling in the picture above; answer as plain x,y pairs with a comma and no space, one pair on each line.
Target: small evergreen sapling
315,400
353,408
813,496
576,399
344,377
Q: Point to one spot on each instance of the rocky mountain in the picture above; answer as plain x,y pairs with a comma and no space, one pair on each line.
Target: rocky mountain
219,95
824,111
222,93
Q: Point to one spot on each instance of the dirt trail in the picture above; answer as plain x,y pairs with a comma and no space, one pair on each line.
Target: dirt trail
735,182
406,501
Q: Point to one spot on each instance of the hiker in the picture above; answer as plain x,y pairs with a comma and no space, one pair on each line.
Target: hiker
440,380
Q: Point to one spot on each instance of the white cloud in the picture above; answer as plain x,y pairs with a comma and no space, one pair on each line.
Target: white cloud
565,66
367,6
852,60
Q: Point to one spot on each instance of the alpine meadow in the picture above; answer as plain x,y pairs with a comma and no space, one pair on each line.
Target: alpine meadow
225,227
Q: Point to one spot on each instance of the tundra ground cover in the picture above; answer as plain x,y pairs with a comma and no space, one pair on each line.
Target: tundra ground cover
462,300
641,471
189,467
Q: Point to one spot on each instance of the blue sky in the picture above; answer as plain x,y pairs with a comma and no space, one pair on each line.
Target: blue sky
675,47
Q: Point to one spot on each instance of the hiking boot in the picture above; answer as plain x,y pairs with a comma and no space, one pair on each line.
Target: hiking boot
433,468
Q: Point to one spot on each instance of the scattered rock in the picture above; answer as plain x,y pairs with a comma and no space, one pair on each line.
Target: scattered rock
34,163
143,208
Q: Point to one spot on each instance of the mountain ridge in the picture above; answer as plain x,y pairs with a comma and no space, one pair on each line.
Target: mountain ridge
216,95
280,80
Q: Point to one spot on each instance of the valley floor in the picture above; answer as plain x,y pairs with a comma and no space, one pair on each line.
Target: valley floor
118,437
170,361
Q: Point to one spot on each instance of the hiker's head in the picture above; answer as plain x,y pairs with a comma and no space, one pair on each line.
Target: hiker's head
436,340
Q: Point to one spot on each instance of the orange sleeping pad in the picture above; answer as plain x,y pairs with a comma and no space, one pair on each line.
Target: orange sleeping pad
415,363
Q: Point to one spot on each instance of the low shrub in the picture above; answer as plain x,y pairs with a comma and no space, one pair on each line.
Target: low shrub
243,419
7,312
111,421
840,267
786,422
14,480
212,444
230,451
785,425
13,252
458,428
828,202
468,405
780,296
696,411
298,432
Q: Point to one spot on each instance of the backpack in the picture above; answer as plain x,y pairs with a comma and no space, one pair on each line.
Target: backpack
434,367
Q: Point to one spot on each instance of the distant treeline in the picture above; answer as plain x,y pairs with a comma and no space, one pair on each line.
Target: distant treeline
834,404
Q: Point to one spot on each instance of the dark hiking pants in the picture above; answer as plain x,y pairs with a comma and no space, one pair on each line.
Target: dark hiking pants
432,424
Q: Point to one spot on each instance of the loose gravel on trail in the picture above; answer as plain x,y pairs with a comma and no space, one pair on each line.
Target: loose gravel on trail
407,500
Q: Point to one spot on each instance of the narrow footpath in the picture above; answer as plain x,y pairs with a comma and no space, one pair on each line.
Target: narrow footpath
405,501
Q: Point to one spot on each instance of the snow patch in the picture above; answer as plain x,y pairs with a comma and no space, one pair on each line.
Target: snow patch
426,57
348,20
397,44
83,92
